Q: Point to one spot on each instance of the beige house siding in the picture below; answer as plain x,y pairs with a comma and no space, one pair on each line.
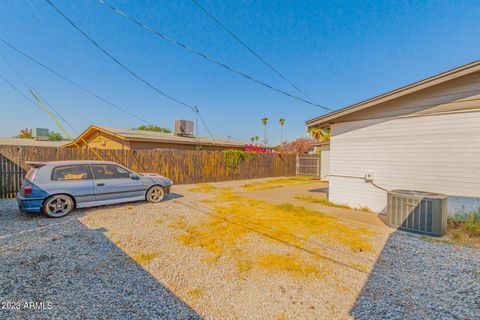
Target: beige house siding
436,152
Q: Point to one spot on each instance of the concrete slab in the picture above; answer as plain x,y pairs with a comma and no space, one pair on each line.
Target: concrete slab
317,190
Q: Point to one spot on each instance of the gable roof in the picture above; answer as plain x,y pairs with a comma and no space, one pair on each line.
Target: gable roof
151,136
400,92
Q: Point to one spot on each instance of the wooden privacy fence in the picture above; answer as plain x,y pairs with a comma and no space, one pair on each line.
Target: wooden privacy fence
182,166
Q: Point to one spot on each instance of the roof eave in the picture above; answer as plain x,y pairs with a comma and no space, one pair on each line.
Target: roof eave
410,88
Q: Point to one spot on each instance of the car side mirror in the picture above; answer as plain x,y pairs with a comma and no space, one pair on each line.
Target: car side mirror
134,176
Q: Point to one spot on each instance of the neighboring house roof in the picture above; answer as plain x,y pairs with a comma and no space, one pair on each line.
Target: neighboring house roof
151,136
6,141
411,88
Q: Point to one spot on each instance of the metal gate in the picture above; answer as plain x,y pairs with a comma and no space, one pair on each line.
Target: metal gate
308,165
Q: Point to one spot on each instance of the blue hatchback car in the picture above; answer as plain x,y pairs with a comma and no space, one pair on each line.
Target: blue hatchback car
56,188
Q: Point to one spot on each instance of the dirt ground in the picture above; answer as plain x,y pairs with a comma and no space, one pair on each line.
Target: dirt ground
252,249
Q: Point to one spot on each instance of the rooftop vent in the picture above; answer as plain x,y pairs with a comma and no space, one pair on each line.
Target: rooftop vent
417,211
40,134
184,128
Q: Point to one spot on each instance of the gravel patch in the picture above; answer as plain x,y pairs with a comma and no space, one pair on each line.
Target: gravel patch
126,262
76,273
419,279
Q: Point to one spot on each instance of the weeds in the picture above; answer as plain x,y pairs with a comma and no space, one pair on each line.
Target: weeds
207,188
143,258
278,183
196,292
465,231
237,219
326,202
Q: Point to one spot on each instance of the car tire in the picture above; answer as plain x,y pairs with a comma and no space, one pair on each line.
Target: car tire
155,194
58,206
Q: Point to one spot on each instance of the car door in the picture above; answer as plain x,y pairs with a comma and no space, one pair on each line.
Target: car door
113,182
75,179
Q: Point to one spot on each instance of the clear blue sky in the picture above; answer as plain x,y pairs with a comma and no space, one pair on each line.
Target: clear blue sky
339,52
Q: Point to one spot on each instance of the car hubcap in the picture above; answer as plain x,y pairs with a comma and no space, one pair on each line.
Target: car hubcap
59,206
156,194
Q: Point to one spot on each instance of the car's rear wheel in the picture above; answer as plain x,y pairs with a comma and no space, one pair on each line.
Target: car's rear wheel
155,194
58,206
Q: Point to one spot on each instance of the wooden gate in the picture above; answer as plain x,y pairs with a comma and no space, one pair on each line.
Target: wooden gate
11,175
308,165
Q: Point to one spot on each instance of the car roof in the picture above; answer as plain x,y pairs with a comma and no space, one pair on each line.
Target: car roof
69,162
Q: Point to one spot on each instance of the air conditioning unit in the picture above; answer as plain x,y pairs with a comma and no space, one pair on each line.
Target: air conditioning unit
418,211
40,134
184,128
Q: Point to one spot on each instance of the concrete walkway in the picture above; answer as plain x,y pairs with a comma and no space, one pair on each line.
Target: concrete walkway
316,190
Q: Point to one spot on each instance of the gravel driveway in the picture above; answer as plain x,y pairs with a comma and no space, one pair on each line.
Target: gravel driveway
126,262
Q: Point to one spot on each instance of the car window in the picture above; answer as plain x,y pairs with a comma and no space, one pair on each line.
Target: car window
109,171
73,172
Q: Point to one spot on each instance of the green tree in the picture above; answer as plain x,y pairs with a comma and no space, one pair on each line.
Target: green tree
281,121
252,139
55,136
154,128
264,122
256,139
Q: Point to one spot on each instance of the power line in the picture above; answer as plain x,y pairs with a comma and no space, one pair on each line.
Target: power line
30,87
117,61
39,17
204,56
11,85
234,36
72,82
193,108
209,132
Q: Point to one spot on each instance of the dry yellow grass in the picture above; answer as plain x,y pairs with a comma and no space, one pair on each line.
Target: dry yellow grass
293,264
325,202
237,218
278,183
196,292
143,258
207,188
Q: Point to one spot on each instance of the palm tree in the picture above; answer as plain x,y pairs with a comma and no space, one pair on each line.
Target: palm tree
265,121
256,139
252,139
25,134
282,122
319,134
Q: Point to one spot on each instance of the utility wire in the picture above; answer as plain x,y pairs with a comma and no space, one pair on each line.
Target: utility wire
209,132
234,36
11,85
204,56
30,87
117,61
193,108
39,17
72,82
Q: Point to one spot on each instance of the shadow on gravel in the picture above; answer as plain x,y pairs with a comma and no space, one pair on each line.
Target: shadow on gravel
419,278
82,275
173,195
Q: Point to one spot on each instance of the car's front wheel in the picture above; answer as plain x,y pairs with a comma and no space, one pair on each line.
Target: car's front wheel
58,206
155,194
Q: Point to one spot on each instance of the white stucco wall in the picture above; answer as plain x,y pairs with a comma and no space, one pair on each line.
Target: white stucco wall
437,153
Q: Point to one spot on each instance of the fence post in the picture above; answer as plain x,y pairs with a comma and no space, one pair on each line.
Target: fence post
318,168
297,165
